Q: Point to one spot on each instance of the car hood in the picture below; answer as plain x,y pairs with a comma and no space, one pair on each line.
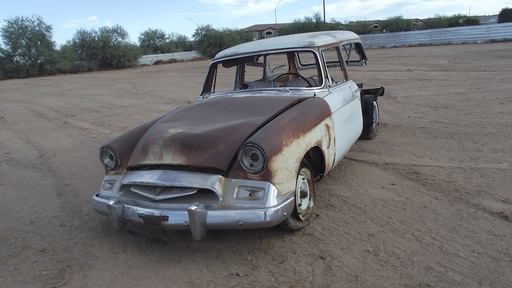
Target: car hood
206,134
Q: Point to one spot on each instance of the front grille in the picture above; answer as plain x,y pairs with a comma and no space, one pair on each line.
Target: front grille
168,195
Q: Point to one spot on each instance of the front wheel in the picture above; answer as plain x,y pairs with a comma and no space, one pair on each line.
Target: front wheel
302,213
371,116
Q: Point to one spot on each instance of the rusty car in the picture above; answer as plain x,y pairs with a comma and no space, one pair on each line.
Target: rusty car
273,117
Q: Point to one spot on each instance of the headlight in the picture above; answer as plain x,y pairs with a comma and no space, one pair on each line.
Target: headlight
252,158
108,158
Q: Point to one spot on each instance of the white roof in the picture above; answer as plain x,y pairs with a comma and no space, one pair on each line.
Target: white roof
304,40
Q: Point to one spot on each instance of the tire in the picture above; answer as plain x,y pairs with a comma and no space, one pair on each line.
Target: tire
371,117
302,213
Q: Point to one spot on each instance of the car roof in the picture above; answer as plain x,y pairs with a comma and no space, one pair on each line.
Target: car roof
303,40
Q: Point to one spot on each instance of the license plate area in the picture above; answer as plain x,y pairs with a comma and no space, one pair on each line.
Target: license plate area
153,220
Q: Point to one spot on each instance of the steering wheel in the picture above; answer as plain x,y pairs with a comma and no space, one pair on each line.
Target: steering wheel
294,74
277,68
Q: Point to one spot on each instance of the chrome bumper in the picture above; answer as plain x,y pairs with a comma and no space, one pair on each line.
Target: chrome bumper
196,217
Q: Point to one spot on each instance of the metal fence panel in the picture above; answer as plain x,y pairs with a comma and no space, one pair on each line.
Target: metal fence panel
456,35
150,59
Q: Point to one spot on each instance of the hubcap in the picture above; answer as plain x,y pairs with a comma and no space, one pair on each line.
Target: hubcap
303,194
375,114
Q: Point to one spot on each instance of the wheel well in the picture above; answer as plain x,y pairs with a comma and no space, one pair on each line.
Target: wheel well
316,159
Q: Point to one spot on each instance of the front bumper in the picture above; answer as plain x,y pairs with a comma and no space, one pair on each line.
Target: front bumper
196,217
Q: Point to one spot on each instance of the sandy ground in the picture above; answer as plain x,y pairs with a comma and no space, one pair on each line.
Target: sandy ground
428,203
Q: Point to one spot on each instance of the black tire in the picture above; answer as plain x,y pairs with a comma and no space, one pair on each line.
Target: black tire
302,213
371,117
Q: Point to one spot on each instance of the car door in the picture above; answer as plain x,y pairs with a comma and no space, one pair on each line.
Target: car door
344,100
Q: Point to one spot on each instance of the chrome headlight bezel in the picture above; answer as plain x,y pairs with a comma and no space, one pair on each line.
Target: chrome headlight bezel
252,158
109,158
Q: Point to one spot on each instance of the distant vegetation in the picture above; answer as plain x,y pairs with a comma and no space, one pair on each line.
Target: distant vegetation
210,41
505,15
28,50
310,24
156,41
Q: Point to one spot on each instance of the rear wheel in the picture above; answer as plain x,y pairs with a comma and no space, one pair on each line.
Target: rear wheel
371,116
302,213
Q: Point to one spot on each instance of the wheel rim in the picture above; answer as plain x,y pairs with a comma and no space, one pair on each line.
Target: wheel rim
375,114
304,194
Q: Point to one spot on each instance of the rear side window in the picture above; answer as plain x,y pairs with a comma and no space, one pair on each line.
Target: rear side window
335,65
354,54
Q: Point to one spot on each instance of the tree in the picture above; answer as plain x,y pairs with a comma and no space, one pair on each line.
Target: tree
310,24
28,47
179,42
210,41
360,27
8,68
437,22
153,41
105,48
86,48
397,24
455,20
67,60
471,21
505,15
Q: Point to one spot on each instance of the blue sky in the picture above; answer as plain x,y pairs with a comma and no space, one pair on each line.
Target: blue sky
173,16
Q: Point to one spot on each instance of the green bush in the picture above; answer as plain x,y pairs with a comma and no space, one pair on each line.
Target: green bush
397,24
360,27
310,24
210,41
471,22
505,15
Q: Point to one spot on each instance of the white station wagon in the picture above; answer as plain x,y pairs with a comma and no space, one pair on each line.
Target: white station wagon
273,117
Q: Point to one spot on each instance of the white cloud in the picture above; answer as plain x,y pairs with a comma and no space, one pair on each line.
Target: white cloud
383,9
92,21
221,2
240,8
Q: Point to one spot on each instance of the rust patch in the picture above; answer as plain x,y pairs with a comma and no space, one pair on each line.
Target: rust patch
125,143
328,134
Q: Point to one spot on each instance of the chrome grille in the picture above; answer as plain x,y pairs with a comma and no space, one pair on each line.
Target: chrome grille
168,195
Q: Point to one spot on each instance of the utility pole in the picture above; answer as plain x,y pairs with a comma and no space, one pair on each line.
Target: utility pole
194,22
324,13
469,14
275,12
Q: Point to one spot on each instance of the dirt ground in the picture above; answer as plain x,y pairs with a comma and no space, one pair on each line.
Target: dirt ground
428,203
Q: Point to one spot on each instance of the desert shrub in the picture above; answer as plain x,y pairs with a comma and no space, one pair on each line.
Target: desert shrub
505,15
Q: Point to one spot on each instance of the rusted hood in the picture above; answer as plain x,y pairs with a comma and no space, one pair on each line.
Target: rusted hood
206,134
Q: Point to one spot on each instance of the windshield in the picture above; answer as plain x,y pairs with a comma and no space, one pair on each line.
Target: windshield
288,69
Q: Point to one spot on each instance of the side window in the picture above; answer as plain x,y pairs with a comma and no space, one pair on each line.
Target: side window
223,80
354,54
335,66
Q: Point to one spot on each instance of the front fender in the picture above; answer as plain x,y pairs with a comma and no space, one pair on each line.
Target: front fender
286,140
125,143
